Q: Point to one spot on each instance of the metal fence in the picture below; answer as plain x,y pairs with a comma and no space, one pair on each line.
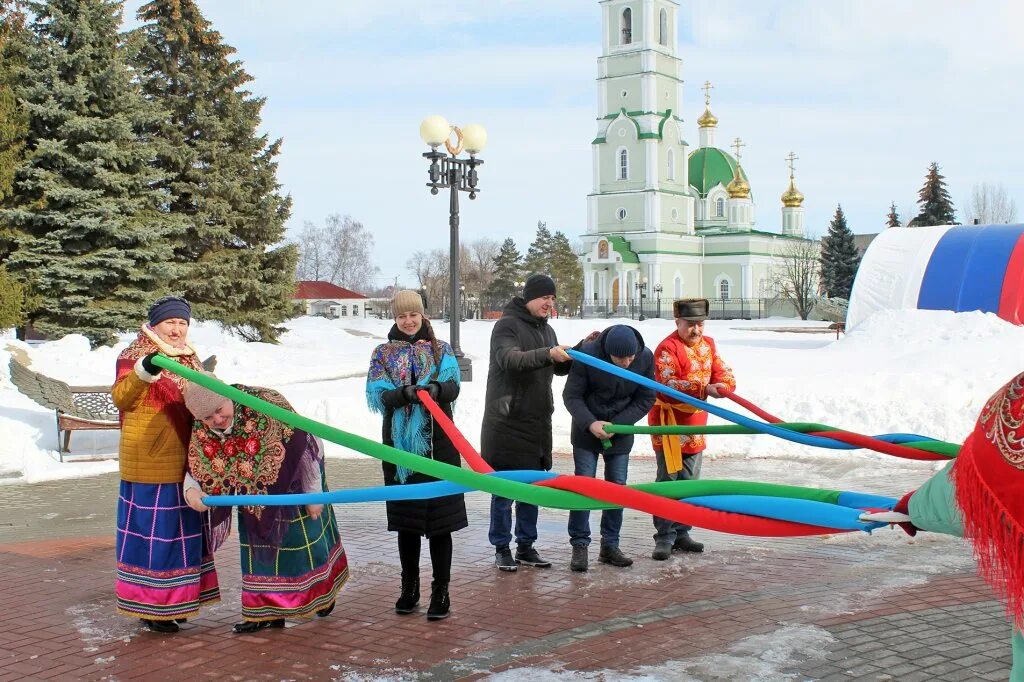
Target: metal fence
720,308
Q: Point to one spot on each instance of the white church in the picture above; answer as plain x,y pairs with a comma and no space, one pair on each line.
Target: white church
665,218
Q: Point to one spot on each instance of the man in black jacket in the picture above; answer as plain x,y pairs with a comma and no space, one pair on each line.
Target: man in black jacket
596,398
516,432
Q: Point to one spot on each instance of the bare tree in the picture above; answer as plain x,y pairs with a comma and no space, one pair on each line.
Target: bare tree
431,271
797,273
477,265
339,252
990,204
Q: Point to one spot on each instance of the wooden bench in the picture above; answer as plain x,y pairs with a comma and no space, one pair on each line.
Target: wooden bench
78,408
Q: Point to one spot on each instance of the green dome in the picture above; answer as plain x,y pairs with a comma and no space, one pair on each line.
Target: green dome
710,166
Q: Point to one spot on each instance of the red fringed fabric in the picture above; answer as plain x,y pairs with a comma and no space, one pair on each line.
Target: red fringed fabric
989,479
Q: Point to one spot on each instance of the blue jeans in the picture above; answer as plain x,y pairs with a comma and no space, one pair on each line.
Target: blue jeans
500,533
666,529
615,468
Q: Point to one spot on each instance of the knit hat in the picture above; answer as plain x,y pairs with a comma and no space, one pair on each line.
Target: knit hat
406,301
620,341
537,286
691,309
169,307
201,401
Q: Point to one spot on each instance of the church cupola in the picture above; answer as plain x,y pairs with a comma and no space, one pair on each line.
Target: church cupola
707,121
741,207
792,204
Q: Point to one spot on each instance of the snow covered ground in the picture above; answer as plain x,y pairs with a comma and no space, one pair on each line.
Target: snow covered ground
926,372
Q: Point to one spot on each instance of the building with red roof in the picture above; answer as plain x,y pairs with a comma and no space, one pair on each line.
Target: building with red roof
330,300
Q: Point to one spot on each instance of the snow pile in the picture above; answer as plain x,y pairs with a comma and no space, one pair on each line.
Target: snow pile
919,371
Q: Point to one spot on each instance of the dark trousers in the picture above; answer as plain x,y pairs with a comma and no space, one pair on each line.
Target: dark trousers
500,533
666,528
615,468
440,556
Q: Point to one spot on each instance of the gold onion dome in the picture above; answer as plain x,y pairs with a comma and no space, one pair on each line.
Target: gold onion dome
738,187
707,119
792,196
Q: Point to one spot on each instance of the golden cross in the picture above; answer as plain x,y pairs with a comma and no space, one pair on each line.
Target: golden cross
736,144
707,93
790,159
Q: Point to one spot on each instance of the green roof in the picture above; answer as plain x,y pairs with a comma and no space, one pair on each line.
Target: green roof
710,166
622,247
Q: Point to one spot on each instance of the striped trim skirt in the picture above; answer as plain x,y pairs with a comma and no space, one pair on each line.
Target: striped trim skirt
298,578
164,569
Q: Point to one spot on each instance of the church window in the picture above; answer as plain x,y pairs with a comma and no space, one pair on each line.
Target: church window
723,289
663,28
623,164
621,213
627,26
671,164
675,215
677,287
719,207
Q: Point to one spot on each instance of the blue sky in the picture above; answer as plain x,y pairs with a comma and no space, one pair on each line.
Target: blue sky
867,93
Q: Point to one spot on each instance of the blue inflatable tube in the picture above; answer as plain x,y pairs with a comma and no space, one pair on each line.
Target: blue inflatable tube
788,509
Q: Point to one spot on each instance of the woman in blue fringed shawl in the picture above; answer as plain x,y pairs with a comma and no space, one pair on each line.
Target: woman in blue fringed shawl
414,360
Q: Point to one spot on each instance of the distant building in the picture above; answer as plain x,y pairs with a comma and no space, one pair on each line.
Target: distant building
324,299
861,241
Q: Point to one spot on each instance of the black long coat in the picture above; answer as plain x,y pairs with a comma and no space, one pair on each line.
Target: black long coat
592,394
516,430
438,515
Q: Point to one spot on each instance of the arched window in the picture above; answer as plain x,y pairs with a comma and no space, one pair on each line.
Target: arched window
621,214
671,161
663,28
627,26
677,287
723,289
623,164
720,207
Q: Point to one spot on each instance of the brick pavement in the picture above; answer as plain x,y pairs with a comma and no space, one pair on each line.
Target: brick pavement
883,607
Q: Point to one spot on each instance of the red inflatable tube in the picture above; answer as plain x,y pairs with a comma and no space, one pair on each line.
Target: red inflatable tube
850,437
690,514
472,457
1011,299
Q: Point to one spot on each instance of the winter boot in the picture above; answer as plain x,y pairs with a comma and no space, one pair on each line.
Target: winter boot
440,604
410,596
527,555
662,551
684,543
247,627
579,561
611,554
161,626
503,559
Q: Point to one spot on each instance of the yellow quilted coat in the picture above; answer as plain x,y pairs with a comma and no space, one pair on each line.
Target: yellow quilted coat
155,425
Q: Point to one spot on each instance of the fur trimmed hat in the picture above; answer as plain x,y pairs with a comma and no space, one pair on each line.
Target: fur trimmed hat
691,309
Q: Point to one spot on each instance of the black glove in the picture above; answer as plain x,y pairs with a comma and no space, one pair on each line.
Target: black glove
147,364
434,389
409,393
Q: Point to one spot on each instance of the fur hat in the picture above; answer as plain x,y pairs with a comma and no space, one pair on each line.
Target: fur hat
691,309
407,301
169,307
537,286
201,401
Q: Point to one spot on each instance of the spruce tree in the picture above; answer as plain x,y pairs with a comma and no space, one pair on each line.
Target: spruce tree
936,204
839,259
221,172
90,227
893,219
508,265
566,271
14,44
538,256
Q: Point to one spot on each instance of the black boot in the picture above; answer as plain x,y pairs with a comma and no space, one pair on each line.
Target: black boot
410,596
440,604
684,543
326,611
162,626
528,556
248,626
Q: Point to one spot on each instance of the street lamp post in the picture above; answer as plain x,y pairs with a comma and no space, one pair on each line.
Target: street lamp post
448,171
641,288
657,292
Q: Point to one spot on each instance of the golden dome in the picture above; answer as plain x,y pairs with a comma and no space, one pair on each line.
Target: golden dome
707,119
739,188
792,196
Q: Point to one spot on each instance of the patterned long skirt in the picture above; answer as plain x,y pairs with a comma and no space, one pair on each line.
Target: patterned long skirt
164,570
301,577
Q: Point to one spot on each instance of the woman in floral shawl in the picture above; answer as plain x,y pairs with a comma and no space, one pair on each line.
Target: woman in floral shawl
164,568
414,360
293,562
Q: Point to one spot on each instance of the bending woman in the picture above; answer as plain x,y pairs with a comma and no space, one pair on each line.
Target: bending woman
414,359
293,562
